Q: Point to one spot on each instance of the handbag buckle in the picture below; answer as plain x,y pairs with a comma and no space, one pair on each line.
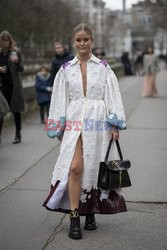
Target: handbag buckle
115,163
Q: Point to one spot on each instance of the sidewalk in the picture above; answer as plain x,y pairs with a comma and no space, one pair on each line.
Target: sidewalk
146,140
16,160
25,175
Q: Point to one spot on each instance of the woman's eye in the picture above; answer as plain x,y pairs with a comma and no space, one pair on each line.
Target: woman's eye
86,39
78,40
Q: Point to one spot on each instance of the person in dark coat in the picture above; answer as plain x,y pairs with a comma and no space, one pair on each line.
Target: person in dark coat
43,92
127,64
61,56
10,80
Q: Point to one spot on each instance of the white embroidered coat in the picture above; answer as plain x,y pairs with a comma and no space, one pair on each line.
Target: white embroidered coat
85,115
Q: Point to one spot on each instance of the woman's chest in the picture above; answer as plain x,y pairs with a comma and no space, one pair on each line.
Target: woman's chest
88,80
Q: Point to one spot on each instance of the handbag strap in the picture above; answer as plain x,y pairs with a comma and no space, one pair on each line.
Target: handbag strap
109,147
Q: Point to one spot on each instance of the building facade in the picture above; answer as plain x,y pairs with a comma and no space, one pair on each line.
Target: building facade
93,12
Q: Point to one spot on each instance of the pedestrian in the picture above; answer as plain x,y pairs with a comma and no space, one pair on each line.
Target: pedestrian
43,92
85,95
61,56
99,53
10,80
127,64
139,63
150,68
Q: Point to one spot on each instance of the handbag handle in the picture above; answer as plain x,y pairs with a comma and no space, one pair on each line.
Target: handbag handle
109,147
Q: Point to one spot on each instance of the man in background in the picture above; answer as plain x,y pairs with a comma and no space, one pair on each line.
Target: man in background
61,56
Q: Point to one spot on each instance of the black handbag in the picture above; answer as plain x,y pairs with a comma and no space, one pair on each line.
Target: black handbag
114,174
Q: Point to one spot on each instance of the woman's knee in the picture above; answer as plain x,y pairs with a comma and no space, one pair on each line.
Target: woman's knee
76,168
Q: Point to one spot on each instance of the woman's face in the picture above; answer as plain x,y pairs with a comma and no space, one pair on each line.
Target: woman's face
82,43
5,43
150,50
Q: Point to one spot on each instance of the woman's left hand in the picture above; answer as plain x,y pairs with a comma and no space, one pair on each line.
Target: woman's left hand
114,133
14,59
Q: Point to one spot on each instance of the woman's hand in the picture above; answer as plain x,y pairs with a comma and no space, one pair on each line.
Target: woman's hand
3,69
14,58
60,138
114,133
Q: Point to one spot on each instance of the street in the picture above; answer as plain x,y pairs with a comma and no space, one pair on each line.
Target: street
26,171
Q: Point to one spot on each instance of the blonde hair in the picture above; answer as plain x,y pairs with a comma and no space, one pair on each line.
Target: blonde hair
6,35
83,27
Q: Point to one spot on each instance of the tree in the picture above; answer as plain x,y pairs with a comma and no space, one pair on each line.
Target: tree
36,24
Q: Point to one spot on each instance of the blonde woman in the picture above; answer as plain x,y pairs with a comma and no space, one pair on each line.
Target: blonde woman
150,67
10,80
85,95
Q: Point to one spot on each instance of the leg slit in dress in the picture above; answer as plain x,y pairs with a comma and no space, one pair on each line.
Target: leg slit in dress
58,199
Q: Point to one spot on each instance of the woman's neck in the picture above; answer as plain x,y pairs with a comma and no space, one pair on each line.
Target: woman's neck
84,58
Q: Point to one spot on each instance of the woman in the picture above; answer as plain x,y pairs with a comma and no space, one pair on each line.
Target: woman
85,96
10,81
150,67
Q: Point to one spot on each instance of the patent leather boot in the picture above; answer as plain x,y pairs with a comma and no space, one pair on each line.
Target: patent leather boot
75,230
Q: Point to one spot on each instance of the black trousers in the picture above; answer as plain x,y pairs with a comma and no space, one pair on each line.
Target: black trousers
44,108
7,92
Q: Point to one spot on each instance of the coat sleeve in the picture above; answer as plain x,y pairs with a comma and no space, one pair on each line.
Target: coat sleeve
113,100
58,106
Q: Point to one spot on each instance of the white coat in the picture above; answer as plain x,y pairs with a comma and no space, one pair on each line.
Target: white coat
88,116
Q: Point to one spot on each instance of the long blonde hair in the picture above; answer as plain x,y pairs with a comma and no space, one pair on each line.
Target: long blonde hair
6,35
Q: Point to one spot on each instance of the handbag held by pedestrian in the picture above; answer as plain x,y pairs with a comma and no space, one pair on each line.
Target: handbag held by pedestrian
114,174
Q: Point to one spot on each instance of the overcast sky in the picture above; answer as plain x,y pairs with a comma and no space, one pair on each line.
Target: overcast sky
117,4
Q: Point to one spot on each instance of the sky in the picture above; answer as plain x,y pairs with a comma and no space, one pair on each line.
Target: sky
117,4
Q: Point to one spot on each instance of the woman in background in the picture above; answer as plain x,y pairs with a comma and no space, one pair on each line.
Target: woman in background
10,81
150,67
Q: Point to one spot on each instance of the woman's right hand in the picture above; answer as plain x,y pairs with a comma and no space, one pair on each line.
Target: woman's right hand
3,69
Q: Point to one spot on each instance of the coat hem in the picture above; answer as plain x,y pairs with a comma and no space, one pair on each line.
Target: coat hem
113,204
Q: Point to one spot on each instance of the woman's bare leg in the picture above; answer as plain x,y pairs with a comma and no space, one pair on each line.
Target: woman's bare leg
74,182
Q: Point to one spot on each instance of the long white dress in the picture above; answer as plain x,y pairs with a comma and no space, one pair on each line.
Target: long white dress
86,115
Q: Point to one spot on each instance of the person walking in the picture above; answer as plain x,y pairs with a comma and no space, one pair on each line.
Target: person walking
85,95
10,80
150,69
61,56
127,64
139,63
43,92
